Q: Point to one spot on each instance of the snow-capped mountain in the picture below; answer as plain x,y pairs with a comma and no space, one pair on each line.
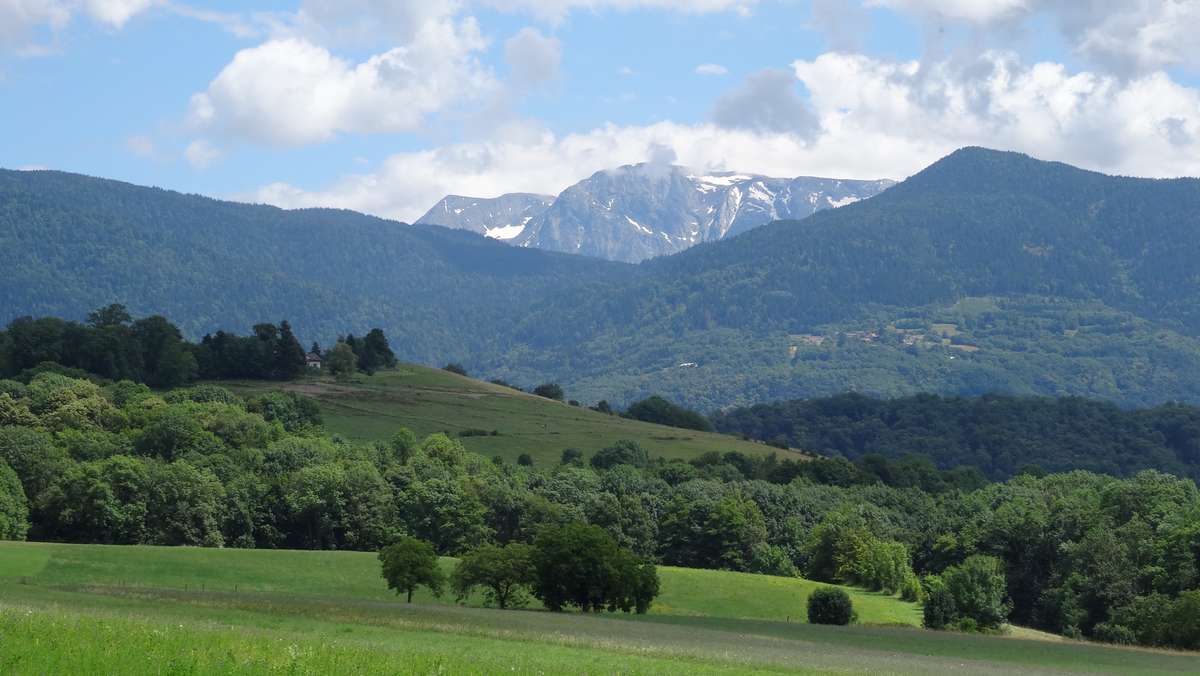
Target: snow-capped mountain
637,212
503,217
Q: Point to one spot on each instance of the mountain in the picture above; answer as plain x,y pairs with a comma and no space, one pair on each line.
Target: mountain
71,243
637,212
502,218
986,272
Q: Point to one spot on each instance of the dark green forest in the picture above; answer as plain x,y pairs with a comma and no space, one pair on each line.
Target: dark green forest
1056,281
1002,436
1078,553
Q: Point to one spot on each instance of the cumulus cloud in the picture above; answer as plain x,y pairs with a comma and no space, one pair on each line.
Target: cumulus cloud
711,69
767,102
141,146
1127,38
200,154
1098,121
292,91
877,119
556,10
22,20
534,58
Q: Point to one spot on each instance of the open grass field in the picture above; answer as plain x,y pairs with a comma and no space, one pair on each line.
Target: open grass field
122,610
429,400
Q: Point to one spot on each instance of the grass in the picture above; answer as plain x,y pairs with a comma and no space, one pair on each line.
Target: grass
128,610
355,575
429,400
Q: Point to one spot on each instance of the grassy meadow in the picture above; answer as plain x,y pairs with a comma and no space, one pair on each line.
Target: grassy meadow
87,609
427,400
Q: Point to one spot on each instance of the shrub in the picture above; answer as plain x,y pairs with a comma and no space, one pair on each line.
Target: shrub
456,369
939,609
830,605
550,391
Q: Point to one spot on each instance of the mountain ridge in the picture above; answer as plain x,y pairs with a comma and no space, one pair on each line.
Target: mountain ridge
636,212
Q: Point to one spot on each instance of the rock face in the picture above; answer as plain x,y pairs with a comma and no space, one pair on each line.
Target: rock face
637,212
503,218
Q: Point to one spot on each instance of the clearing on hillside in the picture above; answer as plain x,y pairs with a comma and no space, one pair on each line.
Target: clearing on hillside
428,400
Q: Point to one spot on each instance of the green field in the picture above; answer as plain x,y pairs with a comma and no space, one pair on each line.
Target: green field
95,609
429,400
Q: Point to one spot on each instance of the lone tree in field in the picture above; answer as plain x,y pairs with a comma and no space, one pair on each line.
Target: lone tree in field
504,572
581,565
830,605
411,563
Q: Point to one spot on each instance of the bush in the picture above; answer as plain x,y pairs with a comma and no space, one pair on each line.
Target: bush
978,587
550,391
939,609
456,369
1114,633
14,509
830,605
621,453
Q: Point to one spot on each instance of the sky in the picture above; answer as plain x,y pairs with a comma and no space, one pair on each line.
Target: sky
386,106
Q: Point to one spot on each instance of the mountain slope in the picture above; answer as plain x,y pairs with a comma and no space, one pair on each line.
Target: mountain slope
1086,284
70,243
502,218
637,212
986,272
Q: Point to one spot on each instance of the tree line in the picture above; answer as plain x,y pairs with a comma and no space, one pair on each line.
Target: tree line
1001,435
111,344
1076,553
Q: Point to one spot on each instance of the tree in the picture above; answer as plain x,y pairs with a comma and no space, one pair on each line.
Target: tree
525,460
623,452
410,563
504,571
341,361
374,353
978,588
550,391
289,359
830,605
662,412
14,508
455,368
577,565
939,610
112,315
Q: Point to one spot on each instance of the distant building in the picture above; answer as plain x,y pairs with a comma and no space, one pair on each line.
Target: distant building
312,360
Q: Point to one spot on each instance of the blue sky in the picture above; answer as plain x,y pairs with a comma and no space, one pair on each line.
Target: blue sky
385,106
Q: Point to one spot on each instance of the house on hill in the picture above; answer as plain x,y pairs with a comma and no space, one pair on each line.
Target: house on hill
312,360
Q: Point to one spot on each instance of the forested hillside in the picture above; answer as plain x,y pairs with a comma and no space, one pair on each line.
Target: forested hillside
986,272
1002,436
70,244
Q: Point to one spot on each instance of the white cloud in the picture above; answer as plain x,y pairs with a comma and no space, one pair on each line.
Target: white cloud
200,154
877,119
1128,37
141,146
117,13
711,69
976,11
22,20
925,110
292,91
533,57
407,184
557,10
